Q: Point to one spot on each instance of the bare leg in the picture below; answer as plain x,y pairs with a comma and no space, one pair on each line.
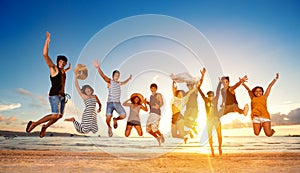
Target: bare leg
173,131
153,134
50,122
120,117
139,130
40,121
180,126
267,129
108,118
209,131
257,128
219,133
162,138
128,130
70,119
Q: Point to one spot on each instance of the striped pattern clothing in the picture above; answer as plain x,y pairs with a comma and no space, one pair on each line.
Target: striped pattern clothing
89,119
114,92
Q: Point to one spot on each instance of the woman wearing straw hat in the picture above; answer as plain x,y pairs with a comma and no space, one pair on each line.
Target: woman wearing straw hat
89,116
135,103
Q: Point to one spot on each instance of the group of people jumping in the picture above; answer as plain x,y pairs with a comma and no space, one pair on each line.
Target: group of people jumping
184,104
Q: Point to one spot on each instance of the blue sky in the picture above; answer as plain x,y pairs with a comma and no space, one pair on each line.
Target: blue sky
257,38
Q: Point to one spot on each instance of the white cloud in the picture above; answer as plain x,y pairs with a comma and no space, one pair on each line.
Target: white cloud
24,92
9,106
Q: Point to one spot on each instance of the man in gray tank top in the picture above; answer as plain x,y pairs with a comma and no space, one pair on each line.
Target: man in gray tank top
155,103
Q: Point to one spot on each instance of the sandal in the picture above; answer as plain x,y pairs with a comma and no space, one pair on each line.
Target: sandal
115,123
28,126
43,131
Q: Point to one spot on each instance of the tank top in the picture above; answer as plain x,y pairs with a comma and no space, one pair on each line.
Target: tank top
230,98
153,101
58,84
259,107
134,114
114,92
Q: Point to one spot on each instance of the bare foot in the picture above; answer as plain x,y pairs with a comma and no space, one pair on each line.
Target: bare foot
185,139
191,135
273,131
110,133
162,138
70,119
195,130
246,109
158,140
220,151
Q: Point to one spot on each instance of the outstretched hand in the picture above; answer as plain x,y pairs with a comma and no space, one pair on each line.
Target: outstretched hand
244,79
48,36
203,71
96,63
69,67
277,76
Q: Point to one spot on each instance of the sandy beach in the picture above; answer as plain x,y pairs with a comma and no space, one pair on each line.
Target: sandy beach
61,161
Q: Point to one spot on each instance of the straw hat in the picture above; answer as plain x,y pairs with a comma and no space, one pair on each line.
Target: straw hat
139,95
81,71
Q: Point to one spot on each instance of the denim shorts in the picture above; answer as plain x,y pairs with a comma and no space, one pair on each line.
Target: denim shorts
111,106
57,104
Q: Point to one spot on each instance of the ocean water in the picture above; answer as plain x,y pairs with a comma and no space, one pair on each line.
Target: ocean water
148,147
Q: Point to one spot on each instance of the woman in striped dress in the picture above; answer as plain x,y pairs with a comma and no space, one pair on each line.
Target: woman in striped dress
89,119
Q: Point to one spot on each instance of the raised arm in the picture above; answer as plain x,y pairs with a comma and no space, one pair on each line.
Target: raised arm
174,88
202,76
68,68
127,103
144,107
126,81
201,92
83,96
249,91
200,83
105,78
99,103
271,85
218,90
45,51
244,79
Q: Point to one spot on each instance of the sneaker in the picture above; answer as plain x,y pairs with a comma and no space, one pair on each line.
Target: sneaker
110,133
246,109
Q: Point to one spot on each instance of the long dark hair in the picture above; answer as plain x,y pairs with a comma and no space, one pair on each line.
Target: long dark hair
255,88
85,87
132,100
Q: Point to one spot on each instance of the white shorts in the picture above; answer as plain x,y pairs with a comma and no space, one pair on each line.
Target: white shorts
260,120
153,122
